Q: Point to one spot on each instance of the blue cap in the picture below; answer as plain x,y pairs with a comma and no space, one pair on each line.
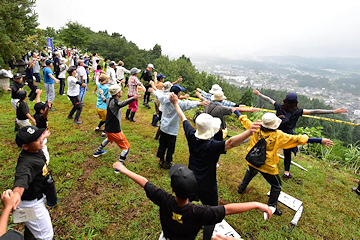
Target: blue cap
160,76
181,88
291,97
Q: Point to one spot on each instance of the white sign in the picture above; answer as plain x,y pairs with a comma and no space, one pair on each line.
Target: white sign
24,215
289,201
224,229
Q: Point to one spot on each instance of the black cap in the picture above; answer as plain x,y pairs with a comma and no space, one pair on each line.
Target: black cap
183,181
48,62
18,75
39,106
21,94
28,134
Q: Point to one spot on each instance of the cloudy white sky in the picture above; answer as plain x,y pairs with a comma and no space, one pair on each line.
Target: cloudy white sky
222,28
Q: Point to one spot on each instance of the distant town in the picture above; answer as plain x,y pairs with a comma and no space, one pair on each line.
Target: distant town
281,76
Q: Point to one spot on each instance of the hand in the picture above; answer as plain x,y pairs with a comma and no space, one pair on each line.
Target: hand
341,110
9,89
198,95
155,74
16,200
7,198
219,237
122,81
180,79
256,92
265,208
327,142
198,89
137,95
119,166
254,110
57,80
186,96
49,104
101,91
151,82
255,126
38,91
150,90
204,103
173,98
83,85
34,122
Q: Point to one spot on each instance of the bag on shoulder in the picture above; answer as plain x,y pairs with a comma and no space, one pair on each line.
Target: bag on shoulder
257,155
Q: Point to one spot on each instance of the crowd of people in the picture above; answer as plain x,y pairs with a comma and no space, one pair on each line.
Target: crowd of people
180,219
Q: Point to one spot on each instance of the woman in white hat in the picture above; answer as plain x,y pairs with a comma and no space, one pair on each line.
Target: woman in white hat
275,139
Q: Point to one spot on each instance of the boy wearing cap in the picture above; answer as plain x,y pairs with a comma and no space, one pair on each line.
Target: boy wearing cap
180,219
113,121
31,180
205,152
23,112
289,113
49,81
147,76
73,93
100,104
15,86
169,125
133,85
275,139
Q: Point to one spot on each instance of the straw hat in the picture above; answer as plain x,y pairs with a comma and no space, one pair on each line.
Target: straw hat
206,126
270,121
218,96
114,89
103,78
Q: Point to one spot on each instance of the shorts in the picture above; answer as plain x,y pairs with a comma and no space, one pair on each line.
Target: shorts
23,123
119,139
102,114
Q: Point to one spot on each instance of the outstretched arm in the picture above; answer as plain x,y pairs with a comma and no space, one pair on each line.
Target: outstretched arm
238,139
38,93
323,111
234,208
266,98
7,199
135,177
174,99
178,80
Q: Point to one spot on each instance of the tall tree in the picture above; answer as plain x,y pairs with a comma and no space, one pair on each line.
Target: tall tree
18,23
75,34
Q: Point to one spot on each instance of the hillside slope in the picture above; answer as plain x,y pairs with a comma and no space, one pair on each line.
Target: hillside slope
96,203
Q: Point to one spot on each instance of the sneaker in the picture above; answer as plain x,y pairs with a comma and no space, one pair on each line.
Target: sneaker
277,212
70,117
77,122
98,154
287,176
166,165
161,162
103,134
97,129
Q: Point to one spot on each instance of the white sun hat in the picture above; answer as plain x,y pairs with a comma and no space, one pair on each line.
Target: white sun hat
271,121
206,126
218,96
215,88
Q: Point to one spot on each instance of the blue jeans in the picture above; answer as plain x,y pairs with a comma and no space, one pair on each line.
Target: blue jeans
82,93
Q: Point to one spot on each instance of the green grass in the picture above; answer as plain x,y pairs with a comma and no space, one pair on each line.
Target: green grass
96,203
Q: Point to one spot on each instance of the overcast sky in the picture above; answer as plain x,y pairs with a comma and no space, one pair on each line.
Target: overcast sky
222,28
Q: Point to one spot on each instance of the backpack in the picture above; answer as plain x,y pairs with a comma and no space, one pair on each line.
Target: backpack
257,154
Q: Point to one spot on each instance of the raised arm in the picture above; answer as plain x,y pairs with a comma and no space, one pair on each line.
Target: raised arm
266,98
135,177
174,99
234,208
38,93
238,139
7,199
323,111
177,81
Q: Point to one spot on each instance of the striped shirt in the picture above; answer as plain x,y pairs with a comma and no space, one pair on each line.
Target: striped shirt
133,83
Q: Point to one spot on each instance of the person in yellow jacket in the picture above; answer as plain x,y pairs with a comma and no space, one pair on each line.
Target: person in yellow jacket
275,139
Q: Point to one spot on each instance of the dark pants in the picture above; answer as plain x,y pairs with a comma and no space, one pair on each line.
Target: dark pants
37,77
273,180
147,94
287,159
166,144
62,86
33,87
211,199
77,107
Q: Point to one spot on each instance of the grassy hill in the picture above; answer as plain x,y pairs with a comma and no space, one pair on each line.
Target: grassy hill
96,203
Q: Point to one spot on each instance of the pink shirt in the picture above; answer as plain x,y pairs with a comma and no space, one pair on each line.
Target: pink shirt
133,83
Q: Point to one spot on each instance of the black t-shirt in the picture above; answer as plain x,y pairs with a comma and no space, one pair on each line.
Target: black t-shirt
15,86
31,174
182,223
204,154
40,121
146,75
21,110
219,111
289,119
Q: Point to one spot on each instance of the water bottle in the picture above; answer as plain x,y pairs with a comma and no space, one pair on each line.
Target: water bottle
50,192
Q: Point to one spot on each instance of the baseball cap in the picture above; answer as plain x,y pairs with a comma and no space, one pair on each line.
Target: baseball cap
21,94
177,88
39,106
183,181
28,134
134,71
150,65
18,75
48,62
160,76
291,97
112,63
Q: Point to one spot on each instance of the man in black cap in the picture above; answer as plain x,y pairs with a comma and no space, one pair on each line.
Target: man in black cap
180,219
31,180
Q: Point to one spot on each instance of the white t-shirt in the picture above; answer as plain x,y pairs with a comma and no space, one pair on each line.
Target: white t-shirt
111,73
120,72
73,87
62,73
94,63
81,72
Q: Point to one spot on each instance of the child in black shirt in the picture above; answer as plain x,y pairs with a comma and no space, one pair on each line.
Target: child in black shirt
179,218
22,111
